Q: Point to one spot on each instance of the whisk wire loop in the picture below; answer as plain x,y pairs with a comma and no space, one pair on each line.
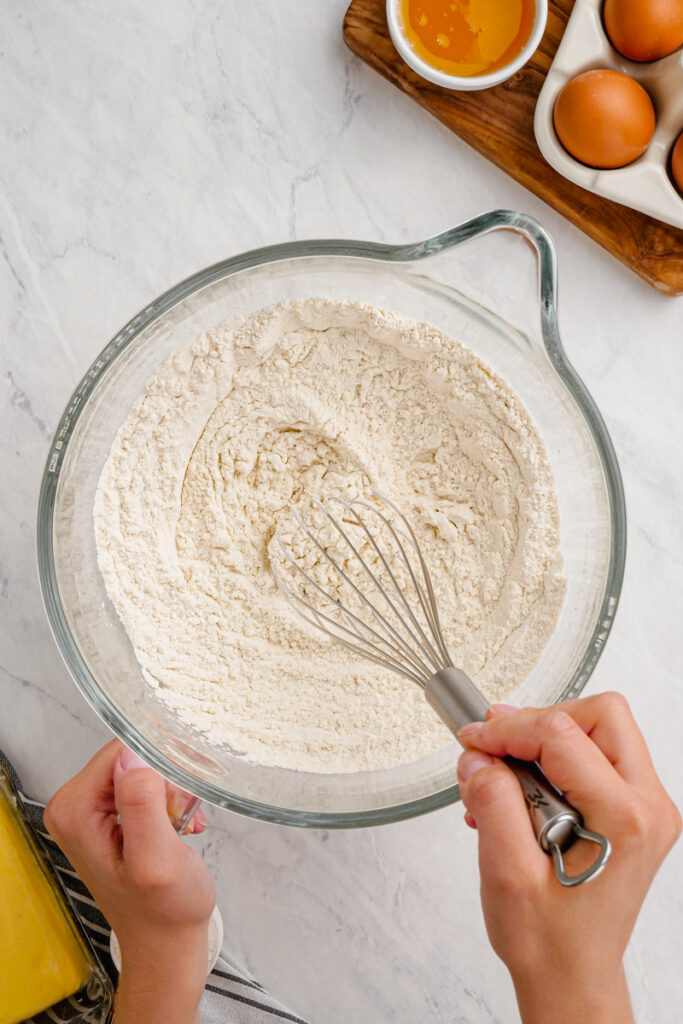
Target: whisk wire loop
358,643
387,642
394,636
433,614
417,638
380,619
421,639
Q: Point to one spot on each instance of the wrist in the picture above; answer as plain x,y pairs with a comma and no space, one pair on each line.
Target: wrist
156,1000
567,995
152,945
162,976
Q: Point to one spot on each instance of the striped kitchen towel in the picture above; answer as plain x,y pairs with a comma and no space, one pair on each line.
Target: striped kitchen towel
231,996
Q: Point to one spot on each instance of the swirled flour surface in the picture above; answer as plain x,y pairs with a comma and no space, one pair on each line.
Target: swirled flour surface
310,399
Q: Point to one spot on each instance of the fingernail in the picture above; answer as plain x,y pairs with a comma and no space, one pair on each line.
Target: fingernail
472,761
503,709
200,819
469,820
473,729
128,760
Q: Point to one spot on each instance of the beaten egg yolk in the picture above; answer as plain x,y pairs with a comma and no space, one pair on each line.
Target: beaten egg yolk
41,960
468,37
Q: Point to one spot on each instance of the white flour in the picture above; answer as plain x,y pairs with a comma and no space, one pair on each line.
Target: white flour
310,399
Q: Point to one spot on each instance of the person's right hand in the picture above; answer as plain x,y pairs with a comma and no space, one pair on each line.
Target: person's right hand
564,947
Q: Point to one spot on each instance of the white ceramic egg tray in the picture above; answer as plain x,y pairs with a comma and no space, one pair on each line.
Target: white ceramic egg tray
645,184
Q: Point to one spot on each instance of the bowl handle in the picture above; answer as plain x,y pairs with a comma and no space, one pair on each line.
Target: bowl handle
504,281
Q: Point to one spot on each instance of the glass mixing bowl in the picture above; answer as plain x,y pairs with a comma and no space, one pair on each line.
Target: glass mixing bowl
477,289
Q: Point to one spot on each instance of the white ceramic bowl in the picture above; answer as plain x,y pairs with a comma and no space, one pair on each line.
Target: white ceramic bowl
644,184
457,82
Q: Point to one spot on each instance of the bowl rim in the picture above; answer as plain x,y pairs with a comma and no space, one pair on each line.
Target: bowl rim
496,220
464,83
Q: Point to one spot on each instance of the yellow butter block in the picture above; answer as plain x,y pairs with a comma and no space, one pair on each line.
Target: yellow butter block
41,958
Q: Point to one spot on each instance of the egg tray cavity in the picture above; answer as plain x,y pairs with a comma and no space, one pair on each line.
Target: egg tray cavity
645,184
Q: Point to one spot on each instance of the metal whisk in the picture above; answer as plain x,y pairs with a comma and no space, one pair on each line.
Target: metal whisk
377,599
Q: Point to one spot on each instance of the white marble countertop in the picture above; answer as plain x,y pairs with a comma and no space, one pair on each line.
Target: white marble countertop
141,142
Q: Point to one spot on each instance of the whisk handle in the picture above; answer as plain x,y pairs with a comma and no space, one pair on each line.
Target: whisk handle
455,698
556,823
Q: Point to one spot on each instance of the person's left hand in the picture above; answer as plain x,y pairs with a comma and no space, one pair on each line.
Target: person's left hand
112,822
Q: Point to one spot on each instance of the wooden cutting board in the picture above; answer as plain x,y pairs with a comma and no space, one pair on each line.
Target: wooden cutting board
499,124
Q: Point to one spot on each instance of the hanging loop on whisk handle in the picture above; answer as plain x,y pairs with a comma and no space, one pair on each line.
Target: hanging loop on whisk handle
556,823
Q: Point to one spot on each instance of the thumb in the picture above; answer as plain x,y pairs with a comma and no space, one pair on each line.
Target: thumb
493,797
140,798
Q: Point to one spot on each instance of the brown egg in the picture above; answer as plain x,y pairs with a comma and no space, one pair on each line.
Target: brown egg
677,163
604,118
644,29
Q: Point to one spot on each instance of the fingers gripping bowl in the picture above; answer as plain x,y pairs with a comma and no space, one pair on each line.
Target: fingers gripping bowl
451,281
